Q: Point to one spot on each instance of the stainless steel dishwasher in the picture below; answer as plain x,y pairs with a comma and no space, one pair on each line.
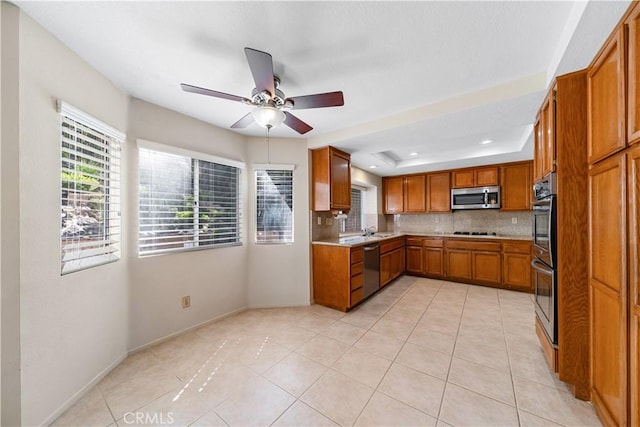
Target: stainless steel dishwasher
371,269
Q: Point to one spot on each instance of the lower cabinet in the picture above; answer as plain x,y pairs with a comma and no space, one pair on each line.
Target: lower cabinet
391,260
516,266
505,264
338,276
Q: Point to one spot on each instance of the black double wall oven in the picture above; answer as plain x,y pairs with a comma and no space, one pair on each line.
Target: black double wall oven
544,263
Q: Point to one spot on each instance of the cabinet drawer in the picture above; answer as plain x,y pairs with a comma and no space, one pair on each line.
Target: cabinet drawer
357,255
474,246
433,243
356,296
357,281
391,245
414,241
357,268
517,248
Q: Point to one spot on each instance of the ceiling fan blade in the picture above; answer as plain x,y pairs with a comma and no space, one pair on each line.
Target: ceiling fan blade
320,100
296,124
202,91
261,66
243,122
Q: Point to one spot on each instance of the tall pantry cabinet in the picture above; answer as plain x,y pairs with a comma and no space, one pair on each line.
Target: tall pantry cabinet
614,212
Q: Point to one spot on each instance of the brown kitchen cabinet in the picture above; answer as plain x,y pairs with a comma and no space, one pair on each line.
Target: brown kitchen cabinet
393,194
632,26
545,138
331,179
392,260
475,177
516,266
608,288
633,172
414,194
433,251
515,185
338,276
439,192
606,99
414,257
476,261
459,263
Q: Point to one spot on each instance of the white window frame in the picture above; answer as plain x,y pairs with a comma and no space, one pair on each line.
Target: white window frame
196,157
78,251
274,167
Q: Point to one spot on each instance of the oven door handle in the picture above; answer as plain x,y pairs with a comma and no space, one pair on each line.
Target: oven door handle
540,266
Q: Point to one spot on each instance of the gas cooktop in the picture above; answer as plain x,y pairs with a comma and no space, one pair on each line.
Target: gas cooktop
474,233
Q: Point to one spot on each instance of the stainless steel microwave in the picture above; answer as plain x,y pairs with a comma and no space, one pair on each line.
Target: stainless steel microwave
475,198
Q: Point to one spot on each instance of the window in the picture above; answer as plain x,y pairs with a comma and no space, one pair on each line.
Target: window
274,205
353,222
90,196
186,200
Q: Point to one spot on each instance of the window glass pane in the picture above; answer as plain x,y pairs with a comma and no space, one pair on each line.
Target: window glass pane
353,222
90,198
186,203
274,206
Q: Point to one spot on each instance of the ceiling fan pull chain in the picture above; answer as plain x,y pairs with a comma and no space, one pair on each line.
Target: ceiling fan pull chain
268,146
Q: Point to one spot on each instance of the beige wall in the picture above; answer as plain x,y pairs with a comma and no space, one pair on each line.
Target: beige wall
214,278
278,275
72,327
9,218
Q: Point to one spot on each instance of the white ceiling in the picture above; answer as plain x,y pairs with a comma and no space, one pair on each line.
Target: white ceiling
434,78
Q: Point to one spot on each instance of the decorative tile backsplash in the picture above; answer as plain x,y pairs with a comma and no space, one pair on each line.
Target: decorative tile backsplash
490,221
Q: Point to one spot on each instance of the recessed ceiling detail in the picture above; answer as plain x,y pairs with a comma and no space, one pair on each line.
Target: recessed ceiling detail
430,77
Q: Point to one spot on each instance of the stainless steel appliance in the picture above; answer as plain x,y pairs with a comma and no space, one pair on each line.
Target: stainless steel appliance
545,250
371,269
475,198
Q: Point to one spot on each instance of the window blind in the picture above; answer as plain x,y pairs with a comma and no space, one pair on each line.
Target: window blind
353,222
90,196
186,203
274,206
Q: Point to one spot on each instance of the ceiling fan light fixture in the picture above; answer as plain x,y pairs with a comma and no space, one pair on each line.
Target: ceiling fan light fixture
268,117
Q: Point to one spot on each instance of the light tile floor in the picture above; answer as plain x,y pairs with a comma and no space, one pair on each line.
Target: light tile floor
421,352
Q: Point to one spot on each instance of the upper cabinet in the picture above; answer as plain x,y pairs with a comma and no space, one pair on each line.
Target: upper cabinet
331,179
545,138
475,177
417,193
632,26
414,193
606,100
439,192
516,183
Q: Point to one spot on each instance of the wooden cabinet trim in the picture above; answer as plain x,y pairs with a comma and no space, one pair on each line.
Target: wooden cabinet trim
632,38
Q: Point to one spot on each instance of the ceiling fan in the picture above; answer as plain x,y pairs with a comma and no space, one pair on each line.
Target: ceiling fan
272,106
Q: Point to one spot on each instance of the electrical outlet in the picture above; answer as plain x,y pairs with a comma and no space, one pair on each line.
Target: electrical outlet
514,220
186,301
437,219
319,220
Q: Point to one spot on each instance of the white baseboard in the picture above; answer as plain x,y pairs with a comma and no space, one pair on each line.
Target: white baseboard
84,390
184,331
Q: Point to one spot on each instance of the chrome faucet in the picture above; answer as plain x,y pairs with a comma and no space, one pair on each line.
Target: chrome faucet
369,231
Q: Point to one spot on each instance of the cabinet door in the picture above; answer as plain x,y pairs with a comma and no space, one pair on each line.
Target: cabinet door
439,192
463,178
340,180
516,271
515,183
414,193
485,177
548,135
459,263
414,259
385,268
393,189
537,150
397,262
633,170
486,267
608,289
605,101
434,261
633,76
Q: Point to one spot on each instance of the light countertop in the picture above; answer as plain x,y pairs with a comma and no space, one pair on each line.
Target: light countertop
351,241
